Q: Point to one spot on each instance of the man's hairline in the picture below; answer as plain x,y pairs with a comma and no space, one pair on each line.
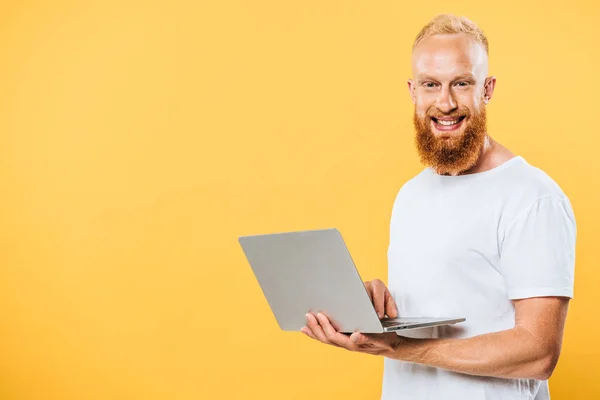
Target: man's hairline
471,37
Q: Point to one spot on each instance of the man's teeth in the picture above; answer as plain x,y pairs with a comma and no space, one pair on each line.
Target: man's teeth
447,123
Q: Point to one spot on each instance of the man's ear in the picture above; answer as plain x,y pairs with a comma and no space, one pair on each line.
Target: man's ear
488,88
411,89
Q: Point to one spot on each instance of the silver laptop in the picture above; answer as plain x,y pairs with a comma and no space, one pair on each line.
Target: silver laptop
312,271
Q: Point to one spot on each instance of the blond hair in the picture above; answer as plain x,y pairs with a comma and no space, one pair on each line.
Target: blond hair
451,24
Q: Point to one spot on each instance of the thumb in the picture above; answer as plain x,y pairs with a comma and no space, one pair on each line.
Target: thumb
390,305
358,338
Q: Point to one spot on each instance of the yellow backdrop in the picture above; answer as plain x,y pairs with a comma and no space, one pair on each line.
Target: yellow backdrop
138,140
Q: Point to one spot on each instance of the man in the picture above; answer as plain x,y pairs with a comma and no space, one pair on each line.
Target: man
479,233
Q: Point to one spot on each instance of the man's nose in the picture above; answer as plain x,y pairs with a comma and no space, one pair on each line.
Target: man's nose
445,101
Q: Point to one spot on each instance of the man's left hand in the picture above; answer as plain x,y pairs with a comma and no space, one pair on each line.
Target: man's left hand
319,328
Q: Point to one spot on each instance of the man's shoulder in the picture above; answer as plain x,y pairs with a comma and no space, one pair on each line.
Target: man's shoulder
517,182
525,187
415,183
531,182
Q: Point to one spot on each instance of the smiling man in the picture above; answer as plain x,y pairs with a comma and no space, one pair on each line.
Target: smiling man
479,233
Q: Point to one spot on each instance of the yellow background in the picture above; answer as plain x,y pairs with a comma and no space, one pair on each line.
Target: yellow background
139,140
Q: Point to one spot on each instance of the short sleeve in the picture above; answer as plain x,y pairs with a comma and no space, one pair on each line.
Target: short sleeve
537,255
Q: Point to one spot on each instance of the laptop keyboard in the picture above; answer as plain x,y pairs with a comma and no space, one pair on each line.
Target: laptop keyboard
392,322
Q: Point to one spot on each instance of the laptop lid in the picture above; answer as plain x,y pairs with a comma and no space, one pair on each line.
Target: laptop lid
313,271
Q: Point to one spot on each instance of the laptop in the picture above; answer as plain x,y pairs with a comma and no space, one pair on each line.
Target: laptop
312,271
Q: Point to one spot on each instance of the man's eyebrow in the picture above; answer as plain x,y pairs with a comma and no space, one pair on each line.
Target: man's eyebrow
466,76
423,78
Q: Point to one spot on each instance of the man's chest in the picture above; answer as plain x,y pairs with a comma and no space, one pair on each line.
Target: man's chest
444,254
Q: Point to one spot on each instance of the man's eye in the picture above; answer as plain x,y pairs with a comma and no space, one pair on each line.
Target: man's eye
462,84
429,84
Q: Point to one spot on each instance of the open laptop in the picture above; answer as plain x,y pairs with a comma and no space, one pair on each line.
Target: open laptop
312,271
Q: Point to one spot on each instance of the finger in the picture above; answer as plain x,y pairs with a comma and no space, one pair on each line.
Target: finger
326,325
369,287
378,299
334,337
391,309
308,333
316,329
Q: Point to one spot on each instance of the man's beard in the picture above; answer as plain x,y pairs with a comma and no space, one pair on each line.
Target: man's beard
455,154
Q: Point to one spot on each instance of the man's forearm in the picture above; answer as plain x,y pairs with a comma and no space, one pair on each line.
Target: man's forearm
514,353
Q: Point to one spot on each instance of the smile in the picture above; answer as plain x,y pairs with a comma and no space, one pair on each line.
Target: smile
447,125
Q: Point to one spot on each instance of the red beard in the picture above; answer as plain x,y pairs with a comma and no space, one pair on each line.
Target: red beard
455,154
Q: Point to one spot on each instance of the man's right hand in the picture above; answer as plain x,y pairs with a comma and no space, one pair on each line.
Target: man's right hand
381,298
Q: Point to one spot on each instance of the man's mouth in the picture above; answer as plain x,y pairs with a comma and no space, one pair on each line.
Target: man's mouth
446,124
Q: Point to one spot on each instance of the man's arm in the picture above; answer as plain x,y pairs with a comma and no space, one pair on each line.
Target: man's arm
529,350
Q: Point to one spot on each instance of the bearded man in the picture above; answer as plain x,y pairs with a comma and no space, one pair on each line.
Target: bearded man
479,233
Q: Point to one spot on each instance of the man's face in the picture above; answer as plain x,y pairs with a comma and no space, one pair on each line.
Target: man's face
449,91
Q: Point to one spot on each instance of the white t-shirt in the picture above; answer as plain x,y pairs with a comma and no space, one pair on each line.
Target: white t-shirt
464,246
